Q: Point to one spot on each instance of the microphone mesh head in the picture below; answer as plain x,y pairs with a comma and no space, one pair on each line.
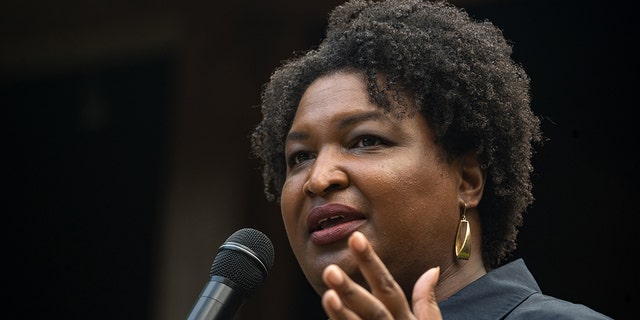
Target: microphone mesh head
243,268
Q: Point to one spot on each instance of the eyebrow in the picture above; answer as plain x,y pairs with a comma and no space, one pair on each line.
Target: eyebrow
343,123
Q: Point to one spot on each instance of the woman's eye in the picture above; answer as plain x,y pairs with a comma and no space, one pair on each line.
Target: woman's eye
299,158
368,141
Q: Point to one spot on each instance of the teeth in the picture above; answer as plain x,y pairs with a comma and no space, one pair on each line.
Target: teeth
322,223
331,218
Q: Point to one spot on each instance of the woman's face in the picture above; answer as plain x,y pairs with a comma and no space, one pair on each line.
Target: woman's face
350,166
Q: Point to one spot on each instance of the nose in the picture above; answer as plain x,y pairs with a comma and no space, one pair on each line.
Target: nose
325,175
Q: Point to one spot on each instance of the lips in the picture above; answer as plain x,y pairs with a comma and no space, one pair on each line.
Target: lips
333,222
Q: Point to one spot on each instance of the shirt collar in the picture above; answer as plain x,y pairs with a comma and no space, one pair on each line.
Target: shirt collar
493,295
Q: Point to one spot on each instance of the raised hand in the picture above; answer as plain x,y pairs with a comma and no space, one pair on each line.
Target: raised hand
347,300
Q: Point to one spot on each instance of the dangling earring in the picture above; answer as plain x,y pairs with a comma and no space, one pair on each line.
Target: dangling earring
463,237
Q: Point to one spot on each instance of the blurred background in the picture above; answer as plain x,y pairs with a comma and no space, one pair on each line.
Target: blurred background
129,162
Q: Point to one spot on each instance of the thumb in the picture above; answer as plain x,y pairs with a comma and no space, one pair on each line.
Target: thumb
425,305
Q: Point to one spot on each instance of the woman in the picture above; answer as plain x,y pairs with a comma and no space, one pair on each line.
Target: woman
400,153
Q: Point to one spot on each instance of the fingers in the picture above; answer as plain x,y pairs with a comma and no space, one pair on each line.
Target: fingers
348,300
425,305
334,308
380,280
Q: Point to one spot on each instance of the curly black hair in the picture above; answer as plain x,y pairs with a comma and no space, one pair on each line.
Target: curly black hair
464,81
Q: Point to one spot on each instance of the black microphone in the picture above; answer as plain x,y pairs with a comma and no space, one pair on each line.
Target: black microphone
240,266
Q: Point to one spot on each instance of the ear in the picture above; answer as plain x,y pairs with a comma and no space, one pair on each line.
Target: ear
472,179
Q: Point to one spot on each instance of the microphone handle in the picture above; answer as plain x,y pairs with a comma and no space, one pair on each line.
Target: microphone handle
218,301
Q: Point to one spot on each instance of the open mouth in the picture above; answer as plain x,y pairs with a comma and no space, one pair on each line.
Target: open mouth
334,228
332,218
330,222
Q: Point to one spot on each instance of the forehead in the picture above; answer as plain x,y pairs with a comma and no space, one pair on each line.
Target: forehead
339,91
348,90
340,102
347,81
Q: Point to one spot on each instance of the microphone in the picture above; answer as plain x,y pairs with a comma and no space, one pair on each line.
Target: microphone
242,264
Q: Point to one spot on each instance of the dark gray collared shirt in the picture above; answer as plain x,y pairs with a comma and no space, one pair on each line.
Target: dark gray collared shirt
510,292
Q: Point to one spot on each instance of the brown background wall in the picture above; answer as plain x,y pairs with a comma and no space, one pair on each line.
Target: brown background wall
129,159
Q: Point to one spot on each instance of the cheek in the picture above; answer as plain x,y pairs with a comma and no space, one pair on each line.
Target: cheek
415,182
290,203
433,198
417,199
430,197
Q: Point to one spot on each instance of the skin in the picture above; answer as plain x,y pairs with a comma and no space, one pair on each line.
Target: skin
390,171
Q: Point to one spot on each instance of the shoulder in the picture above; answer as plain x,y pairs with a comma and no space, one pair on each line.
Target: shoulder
511,292
541,306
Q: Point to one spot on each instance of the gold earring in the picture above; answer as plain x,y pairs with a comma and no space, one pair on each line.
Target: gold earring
463,237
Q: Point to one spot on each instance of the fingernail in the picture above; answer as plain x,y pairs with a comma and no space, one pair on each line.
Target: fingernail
359,242
334,276
334,300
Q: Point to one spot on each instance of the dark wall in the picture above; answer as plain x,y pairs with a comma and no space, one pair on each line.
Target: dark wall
91,143
88,163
